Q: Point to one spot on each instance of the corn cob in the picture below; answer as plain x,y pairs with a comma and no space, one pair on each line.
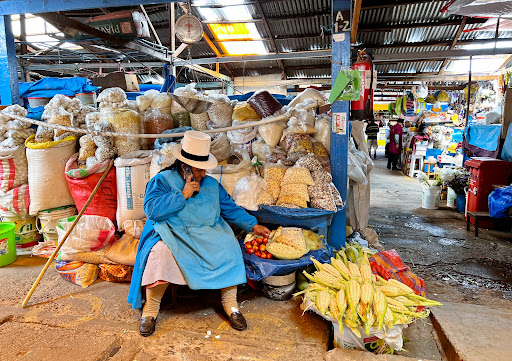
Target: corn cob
411,302
374,279
361,312
380,306
389,318
392,291
367,292
404,287
366,272
341,268
354,271
352,254
395,304
354,326
353,290
322,301
333,308
326,267
324,278
341,301
311,287
370,320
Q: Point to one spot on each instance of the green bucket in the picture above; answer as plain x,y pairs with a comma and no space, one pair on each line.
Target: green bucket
7,243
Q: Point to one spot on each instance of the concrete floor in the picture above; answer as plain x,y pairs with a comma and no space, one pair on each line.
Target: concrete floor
96,323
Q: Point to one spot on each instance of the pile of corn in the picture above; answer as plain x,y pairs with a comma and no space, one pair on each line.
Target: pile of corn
351,294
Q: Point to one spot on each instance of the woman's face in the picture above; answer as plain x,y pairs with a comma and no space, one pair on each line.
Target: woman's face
198,174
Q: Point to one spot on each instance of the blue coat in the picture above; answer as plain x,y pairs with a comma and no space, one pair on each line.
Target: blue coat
196,232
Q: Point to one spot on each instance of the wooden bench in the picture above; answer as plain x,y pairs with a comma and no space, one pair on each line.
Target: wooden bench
482,216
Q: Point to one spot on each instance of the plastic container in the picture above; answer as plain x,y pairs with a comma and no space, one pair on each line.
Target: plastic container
279,288
48,220
461,203
25,232
35,102
7,243
430,197
87,98
451,198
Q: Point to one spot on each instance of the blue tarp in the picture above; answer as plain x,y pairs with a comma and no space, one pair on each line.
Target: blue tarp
506,152
35,113
483,136
145,87
48,87
258,269
283,99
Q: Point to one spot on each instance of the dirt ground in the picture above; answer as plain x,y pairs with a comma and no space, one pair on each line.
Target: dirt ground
96,323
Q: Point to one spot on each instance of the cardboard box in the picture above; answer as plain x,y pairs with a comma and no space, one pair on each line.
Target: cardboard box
127,82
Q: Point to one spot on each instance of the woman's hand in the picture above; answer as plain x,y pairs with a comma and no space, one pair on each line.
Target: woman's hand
261,230
190,188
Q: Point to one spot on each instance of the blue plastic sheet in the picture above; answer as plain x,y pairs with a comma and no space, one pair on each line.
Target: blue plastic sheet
506,152
48,87
160,142
283,99
169,82
35,113
500,200
483,136
257,268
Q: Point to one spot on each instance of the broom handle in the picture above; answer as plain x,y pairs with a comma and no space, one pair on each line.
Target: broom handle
67,234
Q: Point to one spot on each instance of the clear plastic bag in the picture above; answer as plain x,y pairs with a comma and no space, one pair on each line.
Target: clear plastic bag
311,94
144,101
112,95
60,117
247,192
275,155
323,131
181,119
162,102
220,112
90,234
199,121
87,147
298,175
299,149
124,121
43,134
319,149
14,109
91,119
310,162
264,103
325,162
299,190
244,112
105,144
266,198
274,174
321,177
155,122
272,132
80,118
295,201
221,147
321,197
291,138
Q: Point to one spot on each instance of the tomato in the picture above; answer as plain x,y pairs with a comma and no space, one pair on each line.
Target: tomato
255,248
257,253
269,256
250,250
247,245
255,243
263,254
262,248
265,240
260,240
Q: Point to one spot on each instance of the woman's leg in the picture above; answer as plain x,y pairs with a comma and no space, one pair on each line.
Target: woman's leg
151,308
230,305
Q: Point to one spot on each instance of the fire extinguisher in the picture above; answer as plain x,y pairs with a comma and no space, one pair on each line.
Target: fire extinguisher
362,109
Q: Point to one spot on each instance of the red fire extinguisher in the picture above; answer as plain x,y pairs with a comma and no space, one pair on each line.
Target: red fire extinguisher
362,109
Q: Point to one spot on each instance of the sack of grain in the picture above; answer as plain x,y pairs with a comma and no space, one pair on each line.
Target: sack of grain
13,168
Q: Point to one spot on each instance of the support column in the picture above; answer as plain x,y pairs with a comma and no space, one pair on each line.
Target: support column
340,115
9,87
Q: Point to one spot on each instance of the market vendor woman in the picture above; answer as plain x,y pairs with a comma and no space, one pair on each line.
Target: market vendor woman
186,239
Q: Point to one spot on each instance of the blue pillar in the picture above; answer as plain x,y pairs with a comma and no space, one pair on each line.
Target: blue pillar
341,18
9,86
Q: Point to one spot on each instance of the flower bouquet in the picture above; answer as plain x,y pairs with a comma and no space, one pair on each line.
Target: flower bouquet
423,178
459,181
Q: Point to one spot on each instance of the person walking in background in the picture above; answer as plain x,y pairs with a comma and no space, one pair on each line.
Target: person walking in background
395,144
372,129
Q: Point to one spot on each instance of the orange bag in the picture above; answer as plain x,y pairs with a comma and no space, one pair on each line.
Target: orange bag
388,264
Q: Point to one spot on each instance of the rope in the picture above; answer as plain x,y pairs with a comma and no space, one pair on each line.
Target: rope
249,124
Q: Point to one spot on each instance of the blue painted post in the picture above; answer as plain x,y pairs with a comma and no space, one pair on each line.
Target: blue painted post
9,87
341,18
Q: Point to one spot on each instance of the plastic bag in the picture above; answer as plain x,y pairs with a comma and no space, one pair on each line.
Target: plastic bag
247,192
105,144
60,117
229,175
13,168
276,155
264,103
443,96
310,162
161,160
308,93
323,131
291,138
181,119
298,175
44,134
272,132
144,101
16,200
322,197
112,95
91,233
500,201
199,121
124,121
79,273
242,139
91,119
220,112
244,112
353,89
221,147
87,147
82,182
162,102
134,228
300,148
155,122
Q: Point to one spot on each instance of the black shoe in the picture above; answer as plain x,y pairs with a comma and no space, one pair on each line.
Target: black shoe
147,326
389,167
375,156
237,321
395,168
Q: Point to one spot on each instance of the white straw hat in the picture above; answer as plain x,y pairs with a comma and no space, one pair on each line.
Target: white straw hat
194,150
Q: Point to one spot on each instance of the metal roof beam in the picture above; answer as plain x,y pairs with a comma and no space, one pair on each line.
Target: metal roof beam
434,77
422,44
380,4
389,27
270,56
439,55
454,42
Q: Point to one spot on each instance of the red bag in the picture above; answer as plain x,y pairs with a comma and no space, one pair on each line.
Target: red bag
104,202
388,264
